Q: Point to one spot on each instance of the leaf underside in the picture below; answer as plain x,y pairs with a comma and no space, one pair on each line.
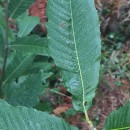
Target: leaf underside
74,41
119,119
22,118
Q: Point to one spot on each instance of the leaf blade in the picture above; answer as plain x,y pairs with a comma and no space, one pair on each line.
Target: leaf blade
16,67
16,8
119,119
25,93
26,24
19,118
73,51
31,45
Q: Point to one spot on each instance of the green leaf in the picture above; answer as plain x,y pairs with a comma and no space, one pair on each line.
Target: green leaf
45,106
25,93
119,119
26,24
31,45
37,66
17,66
17,7
46,75
22,118
74,41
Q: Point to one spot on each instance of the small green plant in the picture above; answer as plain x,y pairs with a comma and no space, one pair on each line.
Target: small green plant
73,41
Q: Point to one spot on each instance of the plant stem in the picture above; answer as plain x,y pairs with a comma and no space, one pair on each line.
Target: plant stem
60,93
6,48
91,127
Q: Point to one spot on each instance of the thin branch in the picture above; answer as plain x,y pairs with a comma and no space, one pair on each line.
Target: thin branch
6,48
59,93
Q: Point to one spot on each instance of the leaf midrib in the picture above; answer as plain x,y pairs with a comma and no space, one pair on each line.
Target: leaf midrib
27,46
16,9
77,56
15,70
121,128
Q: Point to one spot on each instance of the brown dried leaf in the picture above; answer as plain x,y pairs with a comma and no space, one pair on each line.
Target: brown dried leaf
39,9
60,109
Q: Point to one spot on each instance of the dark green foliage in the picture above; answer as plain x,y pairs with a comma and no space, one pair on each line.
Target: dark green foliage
26,91
26,24
119,119
31,45
17,67
22,118
17,7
